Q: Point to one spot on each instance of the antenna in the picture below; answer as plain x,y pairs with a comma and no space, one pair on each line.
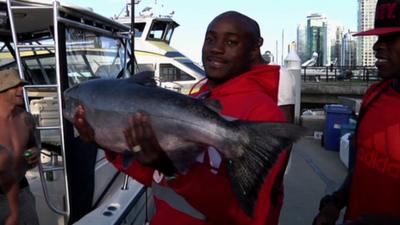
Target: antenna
276,52
282,45
133,2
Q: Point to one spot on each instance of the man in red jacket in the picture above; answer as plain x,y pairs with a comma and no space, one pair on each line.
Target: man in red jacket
371,190
203,195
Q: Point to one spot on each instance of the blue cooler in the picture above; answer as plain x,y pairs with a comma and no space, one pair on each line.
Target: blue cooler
336,116
347,128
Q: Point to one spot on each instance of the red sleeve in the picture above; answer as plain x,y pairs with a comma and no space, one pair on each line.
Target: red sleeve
137,171
267,112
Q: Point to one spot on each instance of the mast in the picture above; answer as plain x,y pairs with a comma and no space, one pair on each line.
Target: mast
132,36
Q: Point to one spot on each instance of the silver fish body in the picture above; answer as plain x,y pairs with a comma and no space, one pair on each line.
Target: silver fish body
182,125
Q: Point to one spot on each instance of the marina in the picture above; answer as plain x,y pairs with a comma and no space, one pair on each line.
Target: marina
74,183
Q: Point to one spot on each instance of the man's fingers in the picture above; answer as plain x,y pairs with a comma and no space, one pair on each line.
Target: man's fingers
79,112
128,137
33,160
132,131
147,129
86,132
138,127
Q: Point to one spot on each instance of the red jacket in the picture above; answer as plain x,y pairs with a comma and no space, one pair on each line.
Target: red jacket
376,177
207,187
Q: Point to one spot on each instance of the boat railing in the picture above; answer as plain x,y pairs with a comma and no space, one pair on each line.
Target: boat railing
339,73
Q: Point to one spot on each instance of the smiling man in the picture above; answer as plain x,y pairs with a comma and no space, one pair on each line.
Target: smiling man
203,195
231,46
371,190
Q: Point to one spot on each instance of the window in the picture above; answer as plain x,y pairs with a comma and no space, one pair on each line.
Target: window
157,30
40,64
169,72
146,67
139,27
90,56
162,30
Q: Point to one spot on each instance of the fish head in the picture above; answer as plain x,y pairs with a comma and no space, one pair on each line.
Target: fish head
71,102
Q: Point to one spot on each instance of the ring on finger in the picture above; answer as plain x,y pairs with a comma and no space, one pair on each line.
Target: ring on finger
136,148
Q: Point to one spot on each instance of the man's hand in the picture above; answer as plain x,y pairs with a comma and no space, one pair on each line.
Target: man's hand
141,139
86,132
33,158
327,215
374,219
12,219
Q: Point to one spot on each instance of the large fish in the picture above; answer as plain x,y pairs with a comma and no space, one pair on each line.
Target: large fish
181,124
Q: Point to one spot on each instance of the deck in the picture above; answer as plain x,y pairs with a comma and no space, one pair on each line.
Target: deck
312,173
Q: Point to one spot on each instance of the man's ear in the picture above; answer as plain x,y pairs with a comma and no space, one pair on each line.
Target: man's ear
260,42
255,53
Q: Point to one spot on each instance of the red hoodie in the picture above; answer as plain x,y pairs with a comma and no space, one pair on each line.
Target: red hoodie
206,186
375,182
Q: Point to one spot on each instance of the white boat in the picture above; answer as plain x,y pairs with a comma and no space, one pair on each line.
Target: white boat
153,51
55,46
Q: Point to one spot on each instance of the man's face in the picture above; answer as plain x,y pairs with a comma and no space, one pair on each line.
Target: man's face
387,53
14,95
227,49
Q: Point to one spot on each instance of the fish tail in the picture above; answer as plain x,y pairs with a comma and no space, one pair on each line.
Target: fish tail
260,145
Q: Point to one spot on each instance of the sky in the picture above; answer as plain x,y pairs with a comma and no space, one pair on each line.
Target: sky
274,17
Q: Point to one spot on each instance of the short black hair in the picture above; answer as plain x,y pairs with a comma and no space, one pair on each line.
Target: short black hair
253,26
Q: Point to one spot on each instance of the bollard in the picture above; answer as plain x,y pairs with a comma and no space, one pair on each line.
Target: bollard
293,65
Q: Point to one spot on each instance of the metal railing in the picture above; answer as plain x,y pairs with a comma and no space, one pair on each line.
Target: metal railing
339,73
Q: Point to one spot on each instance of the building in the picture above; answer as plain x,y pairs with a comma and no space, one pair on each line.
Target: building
334,43
316,32
302,42
366,16
348,50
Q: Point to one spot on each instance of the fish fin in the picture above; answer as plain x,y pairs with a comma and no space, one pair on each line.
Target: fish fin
213,104
185,156
145,78
261,145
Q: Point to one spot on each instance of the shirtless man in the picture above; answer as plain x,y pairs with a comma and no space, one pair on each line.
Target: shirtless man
17,205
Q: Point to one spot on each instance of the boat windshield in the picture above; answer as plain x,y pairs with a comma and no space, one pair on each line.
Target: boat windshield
89,56
161,31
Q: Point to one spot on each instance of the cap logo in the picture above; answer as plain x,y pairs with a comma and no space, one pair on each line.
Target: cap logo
386,11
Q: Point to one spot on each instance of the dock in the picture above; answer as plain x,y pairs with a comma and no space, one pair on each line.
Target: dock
312,172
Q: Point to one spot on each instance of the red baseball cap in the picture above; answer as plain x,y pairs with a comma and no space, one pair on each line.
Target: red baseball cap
387,18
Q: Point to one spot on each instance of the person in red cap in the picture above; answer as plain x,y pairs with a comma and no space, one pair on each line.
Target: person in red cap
18,152
371,190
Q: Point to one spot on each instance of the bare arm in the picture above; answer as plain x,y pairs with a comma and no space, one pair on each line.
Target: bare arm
33,142
13,203
6,168
9,185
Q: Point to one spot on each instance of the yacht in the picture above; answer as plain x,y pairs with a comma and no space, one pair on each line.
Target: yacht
153,51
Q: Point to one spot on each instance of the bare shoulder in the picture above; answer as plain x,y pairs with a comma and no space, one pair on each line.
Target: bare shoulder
27,118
